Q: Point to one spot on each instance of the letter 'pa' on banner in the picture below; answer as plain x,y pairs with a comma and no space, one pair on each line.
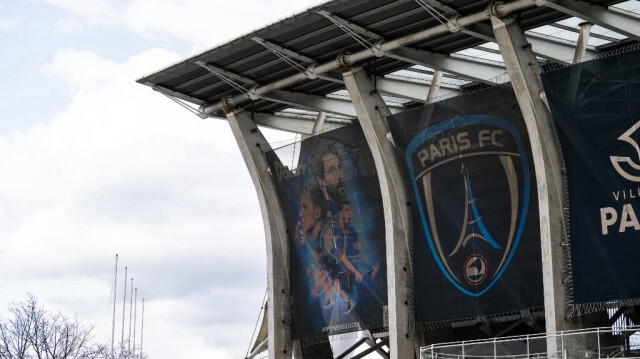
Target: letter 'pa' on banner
596,109
476,250
335,223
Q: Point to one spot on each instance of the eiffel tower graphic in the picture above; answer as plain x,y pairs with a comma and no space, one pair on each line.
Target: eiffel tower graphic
472,219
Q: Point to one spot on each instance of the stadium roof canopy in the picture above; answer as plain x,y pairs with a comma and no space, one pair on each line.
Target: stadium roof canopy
288,75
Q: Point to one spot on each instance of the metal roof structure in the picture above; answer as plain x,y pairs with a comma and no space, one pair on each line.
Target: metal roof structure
287,73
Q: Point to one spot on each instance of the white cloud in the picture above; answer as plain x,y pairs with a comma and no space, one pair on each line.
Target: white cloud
81,70
69,26
100,11
124,170
207,23
202,22
9,24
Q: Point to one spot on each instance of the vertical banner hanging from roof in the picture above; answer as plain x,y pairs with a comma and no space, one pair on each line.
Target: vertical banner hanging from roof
336,232
596,108
476,250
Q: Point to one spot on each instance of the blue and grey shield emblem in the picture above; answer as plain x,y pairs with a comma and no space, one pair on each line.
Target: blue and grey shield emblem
471,182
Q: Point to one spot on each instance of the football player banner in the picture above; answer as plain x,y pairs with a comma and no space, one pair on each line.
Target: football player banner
596,108
335,222
468,166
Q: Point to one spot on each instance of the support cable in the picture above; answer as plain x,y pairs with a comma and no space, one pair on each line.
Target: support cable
174,99
189,108
375,48
293,155
450,23
281,55
257,321
311,74
228,80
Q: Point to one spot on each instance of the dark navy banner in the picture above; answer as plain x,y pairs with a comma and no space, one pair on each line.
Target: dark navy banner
336,232
596,108
476,231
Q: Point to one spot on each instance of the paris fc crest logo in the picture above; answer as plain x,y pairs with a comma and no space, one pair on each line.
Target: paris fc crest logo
472,184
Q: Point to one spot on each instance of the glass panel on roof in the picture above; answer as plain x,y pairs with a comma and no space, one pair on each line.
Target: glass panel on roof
455,81
594,41
421,68
394,100
556,32
597,29
298,111
480,54
571,22
633,6
413,75
491,45
341,93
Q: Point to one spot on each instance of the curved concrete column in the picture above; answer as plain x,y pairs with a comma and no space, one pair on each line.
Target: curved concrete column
372,113
253,145
524,72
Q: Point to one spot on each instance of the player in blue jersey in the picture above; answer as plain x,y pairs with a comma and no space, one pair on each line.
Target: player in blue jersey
328,174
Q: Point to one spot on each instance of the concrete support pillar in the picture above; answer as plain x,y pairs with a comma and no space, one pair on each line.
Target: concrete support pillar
583,39
319,124
253,145
372,112
524,72
434,87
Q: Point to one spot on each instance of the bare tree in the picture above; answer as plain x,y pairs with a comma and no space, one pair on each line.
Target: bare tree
32,333
120,352
15,333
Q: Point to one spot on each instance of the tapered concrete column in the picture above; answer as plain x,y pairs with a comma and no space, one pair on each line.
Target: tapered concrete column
583,41
372,112
434,87
524,72
252,146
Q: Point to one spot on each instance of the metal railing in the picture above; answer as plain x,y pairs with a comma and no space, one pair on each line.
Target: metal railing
588,343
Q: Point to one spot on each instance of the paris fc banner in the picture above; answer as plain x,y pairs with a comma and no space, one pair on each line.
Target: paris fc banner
596,109
468,167
335,224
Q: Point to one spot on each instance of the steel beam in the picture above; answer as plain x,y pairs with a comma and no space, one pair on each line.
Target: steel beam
252,145
284,123
594,35
386,46
372,113
415,91
544,46
555,49
428,59
484,70
317,103
620,21
351,348
524,72
473,69
374,348
311,102
299,124
479,30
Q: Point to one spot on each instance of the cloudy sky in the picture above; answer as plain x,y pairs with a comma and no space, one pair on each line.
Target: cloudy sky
93,164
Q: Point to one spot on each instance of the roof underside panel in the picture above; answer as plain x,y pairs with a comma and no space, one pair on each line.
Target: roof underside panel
294,44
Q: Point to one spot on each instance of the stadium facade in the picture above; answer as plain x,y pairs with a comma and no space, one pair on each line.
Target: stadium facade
442,192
